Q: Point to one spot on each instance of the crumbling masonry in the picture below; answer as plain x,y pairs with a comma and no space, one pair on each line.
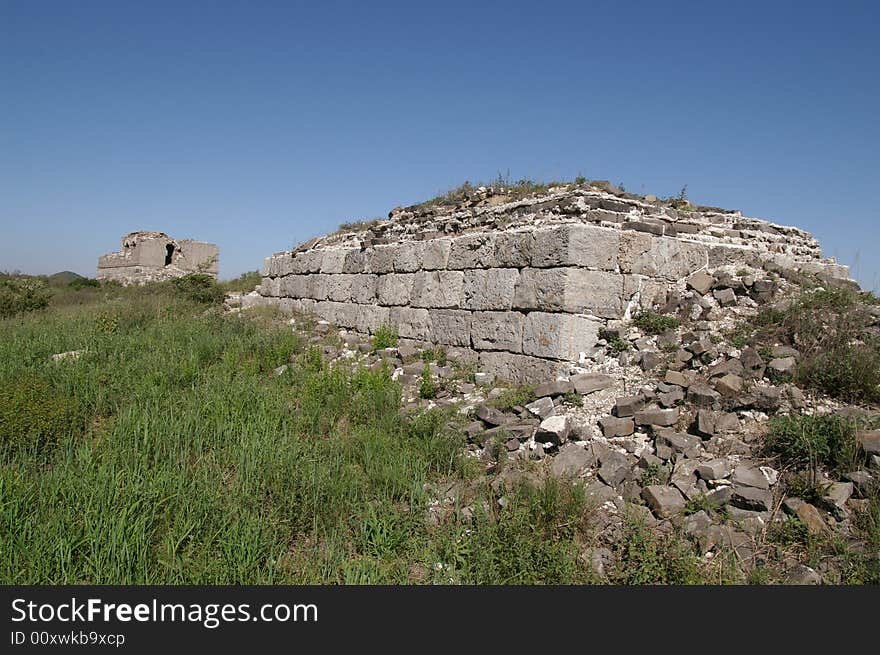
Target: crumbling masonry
154,256
523,286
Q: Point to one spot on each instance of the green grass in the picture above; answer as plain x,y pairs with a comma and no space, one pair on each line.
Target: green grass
511,397
171,454
840,351
385,337
245,282
808,442
653,323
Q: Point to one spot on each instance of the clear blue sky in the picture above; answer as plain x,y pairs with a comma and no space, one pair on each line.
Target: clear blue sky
257,125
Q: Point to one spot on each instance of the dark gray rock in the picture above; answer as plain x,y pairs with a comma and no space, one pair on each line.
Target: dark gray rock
628,405
591,382
752,499
663,500
616,427
572,460
558,388
659,417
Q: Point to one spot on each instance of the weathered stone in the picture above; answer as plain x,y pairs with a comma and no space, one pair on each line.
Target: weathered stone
783,366
554,429
597,293
572,460
489,289
701,282
450,327
497,331
437,289
435,254
616,427
518,369
615,468
664,501
559,336
587,383
677,378
811,518
492,416
680,442
575,245
729,385
514,249
702,395
628,405
725,297
541,289
473,251
752,499
714,469
555,388
747,476
543,407
659,417
154,256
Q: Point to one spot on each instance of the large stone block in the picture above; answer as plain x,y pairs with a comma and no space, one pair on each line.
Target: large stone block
472,251
293,286
435,254
411,323
395,288
559,336
518,369
514,249
497,331
112,259
370,318
355,261
333,260
317,286
380,259
489,289
308,261
598,293
541,288
284,264
364,288
339,287
576,245
408,258
437,289
450,327
270,286
666,257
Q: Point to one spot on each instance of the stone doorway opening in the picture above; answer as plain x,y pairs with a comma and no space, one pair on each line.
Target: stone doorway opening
169,250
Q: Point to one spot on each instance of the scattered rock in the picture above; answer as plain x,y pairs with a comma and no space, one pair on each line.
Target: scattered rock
664,501
616,427
554,429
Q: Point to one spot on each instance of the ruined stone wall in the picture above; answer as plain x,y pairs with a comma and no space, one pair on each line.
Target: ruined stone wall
154,256
523,292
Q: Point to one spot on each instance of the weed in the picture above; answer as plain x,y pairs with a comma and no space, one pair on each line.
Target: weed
385,337
802,441
514,396
427,386
653,323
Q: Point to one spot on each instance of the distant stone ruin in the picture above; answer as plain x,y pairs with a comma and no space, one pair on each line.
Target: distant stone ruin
527,285
154,256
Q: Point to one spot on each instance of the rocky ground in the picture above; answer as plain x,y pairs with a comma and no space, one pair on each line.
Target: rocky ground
666,421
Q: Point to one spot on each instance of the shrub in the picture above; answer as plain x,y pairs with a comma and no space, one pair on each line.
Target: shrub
21,293
385,337
520,395
807,441
654,323
427,388
33,417
245,282
83,283
199,287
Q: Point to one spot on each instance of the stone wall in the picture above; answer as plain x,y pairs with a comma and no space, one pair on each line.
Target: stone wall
524,298
154,256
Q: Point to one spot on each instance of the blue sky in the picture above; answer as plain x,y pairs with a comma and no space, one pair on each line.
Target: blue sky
257,125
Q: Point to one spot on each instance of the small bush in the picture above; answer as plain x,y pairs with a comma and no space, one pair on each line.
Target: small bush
83,283
385,337
520,395
427,388
33,418
647,557
615,342
199,287
808,441
246,282
21,293
654,323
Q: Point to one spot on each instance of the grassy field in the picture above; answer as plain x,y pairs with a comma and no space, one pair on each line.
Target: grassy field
168,452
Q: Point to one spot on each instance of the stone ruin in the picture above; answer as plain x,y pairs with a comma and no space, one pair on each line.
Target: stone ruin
525,286
154,256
